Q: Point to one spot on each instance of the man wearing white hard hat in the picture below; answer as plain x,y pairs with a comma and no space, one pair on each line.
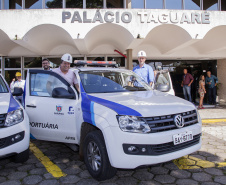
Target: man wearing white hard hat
64,70
143,70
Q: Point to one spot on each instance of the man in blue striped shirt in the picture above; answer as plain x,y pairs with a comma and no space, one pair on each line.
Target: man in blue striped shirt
143,70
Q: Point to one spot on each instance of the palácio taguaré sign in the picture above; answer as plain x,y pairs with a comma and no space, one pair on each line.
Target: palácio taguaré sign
142,16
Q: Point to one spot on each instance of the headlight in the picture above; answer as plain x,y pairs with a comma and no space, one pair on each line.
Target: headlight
14,117
133,124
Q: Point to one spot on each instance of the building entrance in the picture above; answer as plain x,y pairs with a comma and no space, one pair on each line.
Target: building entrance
195,67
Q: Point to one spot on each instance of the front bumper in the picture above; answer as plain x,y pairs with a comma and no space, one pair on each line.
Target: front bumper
117,140
15,139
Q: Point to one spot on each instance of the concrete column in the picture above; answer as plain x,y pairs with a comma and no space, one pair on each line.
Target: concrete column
43,4
3,4
84,4
221,68
124,4
129,61
22,68
129,4
104,4
64,3
23,4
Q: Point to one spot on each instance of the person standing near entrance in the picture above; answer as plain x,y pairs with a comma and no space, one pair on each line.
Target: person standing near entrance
46,64
186,84
211,82
143,70
202,91
18,83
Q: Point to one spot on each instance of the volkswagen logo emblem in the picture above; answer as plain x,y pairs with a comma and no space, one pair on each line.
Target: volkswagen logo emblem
179,121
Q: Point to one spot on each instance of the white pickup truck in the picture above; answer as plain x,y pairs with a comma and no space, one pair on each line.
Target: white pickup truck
117,120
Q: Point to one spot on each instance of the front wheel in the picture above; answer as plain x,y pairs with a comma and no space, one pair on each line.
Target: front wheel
96,157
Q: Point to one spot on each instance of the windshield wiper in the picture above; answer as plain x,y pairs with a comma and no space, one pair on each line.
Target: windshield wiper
141,89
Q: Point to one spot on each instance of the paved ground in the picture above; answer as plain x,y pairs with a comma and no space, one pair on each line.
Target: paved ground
213,112
205,167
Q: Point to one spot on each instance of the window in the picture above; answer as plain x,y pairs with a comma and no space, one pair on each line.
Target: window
154,4
54,62
13,4
42,84
33,4
95,58
10,74
210,4
54,3
76,58
32,62
94,3
114,4
12,62
118,60
173,4
137,3
192,4
74,3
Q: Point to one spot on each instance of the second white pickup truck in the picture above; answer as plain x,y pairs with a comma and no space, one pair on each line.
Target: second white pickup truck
117,120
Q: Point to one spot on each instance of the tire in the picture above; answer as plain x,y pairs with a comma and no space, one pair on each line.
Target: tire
96,157
21,157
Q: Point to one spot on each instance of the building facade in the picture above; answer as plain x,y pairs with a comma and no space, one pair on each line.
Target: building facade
174,33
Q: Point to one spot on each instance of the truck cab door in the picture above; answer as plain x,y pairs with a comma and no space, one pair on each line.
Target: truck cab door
53,107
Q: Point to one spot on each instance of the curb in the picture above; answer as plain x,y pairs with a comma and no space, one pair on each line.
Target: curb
213,120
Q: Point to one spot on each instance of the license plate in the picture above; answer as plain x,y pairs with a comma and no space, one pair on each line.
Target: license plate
182,137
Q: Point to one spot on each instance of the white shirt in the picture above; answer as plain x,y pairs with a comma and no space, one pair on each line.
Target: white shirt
17,84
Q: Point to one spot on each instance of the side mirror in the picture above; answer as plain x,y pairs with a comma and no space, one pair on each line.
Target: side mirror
17,91
163,87
60,92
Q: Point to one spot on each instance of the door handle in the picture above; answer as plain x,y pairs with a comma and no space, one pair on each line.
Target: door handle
32,106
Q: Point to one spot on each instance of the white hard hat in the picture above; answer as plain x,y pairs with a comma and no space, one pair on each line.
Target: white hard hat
67,58
141,54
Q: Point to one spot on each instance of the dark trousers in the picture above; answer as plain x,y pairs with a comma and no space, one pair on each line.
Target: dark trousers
212,95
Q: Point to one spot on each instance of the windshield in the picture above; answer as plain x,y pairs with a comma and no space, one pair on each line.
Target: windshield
3,87
112,81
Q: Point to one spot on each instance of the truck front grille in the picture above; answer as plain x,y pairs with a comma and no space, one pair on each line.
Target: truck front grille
170,147
159,149
2,142
2,120
165,123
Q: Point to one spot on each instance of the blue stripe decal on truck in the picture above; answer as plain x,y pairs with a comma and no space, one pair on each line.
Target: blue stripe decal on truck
92,113
86,106
120,109
13,104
